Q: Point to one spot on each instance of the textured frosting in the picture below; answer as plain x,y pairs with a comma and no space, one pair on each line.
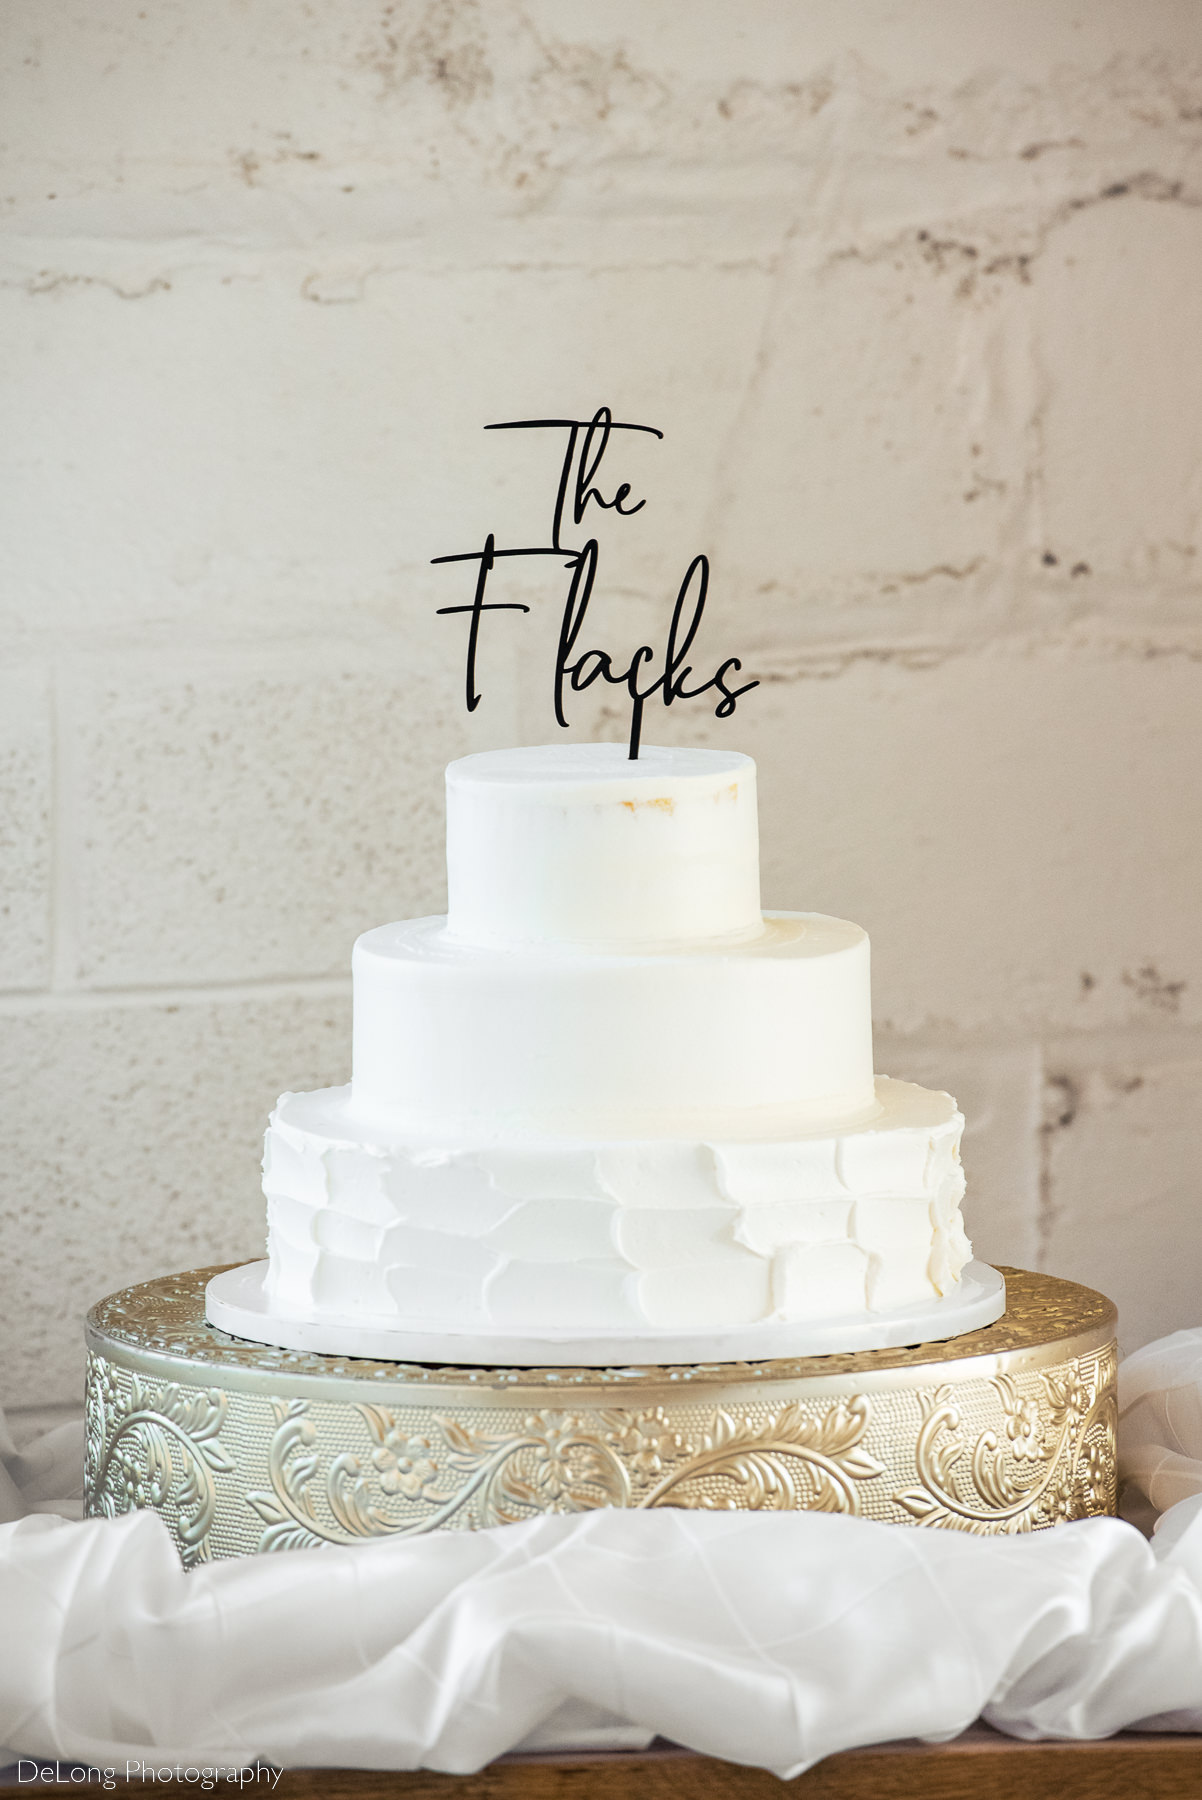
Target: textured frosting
549,1233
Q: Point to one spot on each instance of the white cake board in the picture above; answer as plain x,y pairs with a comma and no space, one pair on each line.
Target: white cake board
234,1303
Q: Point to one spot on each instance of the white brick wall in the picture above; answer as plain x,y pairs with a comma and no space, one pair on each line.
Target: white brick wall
915,294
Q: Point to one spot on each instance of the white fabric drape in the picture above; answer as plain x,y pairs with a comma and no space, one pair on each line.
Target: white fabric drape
1160,1436
772,1639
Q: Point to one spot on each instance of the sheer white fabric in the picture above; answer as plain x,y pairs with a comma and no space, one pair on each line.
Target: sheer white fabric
772,1639
1160,1436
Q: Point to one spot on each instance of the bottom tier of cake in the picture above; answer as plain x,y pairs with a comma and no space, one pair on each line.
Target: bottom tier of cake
243,1448
624,1235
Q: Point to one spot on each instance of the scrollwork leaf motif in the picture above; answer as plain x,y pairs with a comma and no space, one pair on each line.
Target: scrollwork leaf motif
553,1465
149,1446
1045,1458
1027,1473
287,1511
459,1438
556,1462
789,1460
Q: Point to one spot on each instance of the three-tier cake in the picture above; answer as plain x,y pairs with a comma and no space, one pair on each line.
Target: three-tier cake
609,1107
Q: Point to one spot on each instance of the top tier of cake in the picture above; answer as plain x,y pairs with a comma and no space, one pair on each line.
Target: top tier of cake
604,969
576,844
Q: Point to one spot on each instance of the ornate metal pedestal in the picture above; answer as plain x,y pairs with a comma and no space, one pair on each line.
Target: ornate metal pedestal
243,1448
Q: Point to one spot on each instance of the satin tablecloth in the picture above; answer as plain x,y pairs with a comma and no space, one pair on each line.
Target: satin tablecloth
772,1639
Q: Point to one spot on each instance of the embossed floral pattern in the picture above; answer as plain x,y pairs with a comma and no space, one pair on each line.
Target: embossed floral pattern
1024,1428
149,1445
1097,1468
403,1464
1014,1451
555,1435
1068,1399
1055,1460
647,1440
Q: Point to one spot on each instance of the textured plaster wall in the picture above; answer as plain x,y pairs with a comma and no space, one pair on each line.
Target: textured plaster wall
914,291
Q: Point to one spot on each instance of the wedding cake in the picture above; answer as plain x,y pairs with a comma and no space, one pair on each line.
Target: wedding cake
607,1095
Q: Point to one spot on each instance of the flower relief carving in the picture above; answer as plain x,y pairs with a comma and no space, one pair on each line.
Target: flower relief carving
451,1473
1016,1451
154,1445
1051,1459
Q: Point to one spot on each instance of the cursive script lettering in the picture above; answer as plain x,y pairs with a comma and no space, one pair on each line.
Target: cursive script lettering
592,665
585,448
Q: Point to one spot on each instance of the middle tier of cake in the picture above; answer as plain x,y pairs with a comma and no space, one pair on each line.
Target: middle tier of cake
543,1232
760,1037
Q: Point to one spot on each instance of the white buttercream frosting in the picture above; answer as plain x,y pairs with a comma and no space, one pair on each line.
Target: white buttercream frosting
553,1232
576,844
606,1092
450,1037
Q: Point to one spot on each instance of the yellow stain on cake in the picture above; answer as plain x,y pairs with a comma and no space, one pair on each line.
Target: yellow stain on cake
666,805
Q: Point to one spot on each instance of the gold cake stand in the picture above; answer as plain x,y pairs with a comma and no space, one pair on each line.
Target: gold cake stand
244,1448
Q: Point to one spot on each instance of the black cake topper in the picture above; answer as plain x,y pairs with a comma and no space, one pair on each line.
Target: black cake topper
584,451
